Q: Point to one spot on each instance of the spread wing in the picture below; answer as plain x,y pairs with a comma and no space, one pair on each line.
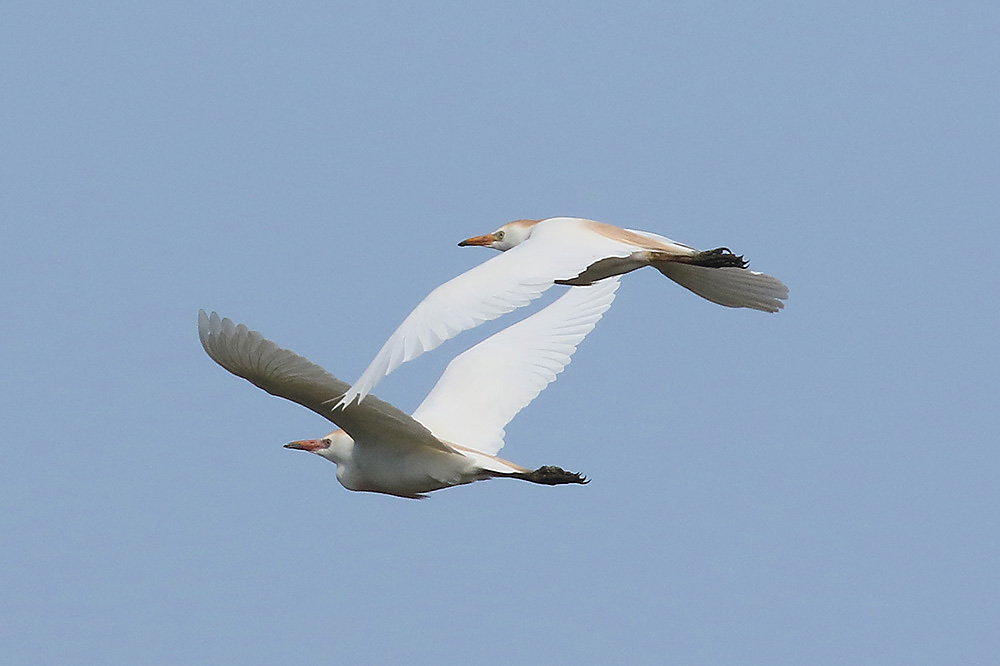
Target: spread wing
284,373
483,388
558,249
732,287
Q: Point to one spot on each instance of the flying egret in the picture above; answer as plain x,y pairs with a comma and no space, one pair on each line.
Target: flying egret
454,435
561,250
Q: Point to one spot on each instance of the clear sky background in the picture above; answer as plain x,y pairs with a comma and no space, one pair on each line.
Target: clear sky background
818,486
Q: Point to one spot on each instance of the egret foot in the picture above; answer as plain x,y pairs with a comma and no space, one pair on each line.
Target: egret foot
720,257
550,475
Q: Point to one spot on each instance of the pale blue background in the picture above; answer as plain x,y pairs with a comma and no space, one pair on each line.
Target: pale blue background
814,487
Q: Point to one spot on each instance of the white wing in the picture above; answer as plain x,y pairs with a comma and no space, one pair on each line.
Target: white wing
284,373
558,249
483,388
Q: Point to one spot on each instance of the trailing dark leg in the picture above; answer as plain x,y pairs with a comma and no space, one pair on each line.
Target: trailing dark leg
550,475
720,257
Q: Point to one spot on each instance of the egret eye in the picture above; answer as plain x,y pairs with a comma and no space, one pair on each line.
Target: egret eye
499,235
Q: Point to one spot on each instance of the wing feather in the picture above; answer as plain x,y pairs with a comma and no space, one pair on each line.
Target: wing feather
558,249
285,374
483,388
732,287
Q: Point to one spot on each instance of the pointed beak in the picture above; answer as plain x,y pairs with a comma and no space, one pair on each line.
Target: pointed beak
486,240
311,445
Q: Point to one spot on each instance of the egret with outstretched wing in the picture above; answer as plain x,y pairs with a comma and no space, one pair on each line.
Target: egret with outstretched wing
454,435
562,250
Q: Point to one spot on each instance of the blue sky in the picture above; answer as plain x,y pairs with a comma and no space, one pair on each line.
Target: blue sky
818,486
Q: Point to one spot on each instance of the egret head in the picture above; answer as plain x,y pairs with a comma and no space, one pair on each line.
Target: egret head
509,235
335,447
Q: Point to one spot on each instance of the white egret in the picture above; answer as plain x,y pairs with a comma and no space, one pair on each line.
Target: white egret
454,435
561,250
